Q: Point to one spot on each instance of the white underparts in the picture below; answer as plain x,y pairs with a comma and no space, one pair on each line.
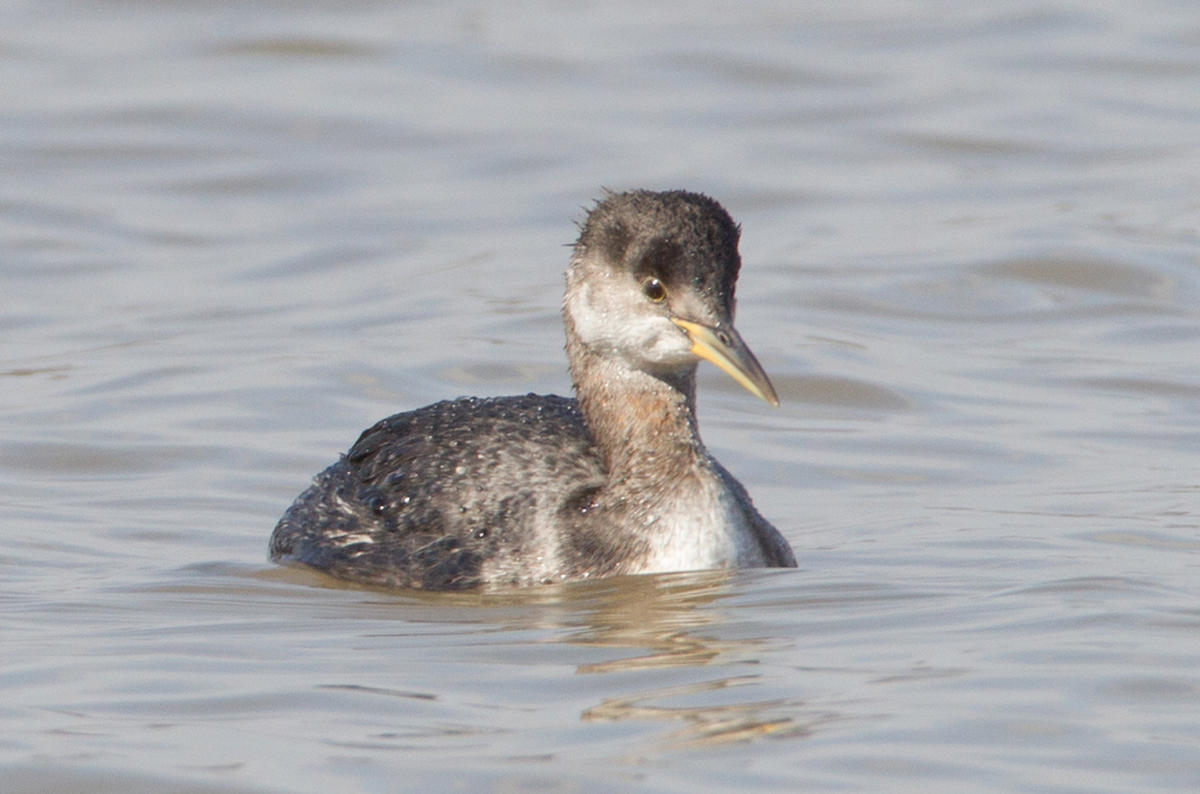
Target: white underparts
703,526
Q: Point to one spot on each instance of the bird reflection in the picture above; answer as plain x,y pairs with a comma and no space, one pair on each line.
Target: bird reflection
676,620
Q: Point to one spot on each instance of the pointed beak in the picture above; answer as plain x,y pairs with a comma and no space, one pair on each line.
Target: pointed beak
725,348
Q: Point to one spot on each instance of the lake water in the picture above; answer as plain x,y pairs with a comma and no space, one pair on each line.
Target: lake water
234,234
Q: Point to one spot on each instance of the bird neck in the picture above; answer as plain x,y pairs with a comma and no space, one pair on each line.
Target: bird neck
643,424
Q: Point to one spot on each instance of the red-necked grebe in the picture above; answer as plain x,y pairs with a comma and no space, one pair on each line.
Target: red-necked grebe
540,489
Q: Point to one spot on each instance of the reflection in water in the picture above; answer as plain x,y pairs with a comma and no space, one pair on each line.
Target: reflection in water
663,615
658,613
670,622
713,725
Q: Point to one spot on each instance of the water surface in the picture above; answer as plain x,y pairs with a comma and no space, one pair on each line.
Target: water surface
232,235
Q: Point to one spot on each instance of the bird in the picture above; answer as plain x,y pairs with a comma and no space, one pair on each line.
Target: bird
485,493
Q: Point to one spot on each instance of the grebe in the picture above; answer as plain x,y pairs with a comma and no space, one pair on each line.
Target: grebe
541,489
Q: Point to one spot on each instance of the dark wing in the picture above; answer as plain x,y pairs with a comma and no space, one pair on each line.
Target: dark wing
430,497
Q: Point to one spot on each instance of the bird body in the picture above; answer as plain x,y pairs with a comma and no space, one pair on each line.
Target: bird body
539,489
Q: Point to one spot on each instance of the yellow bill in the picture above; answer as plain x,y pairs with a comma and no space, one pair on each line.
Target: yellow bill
725,348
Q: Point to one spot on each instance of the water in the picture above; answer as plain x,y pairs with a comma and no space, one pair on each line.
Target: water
232,235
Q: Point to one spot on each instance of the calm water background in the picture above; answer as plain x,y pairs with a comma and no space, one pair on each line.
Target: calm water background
233,234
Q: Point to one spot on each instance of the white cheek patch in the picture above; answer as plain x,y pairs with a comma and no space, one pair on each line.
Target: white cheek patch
591,322
671,346
604,320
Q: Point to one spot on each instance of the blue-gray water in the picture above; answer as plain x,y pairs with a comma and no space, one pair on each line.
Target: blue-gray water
234,234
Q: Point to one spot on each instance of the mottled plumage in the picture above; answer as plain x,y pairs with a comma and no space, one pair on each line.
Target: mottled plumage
524,490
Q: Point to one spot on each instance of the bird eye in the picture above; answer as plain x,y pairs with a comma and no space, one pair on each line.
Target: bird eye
654,290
